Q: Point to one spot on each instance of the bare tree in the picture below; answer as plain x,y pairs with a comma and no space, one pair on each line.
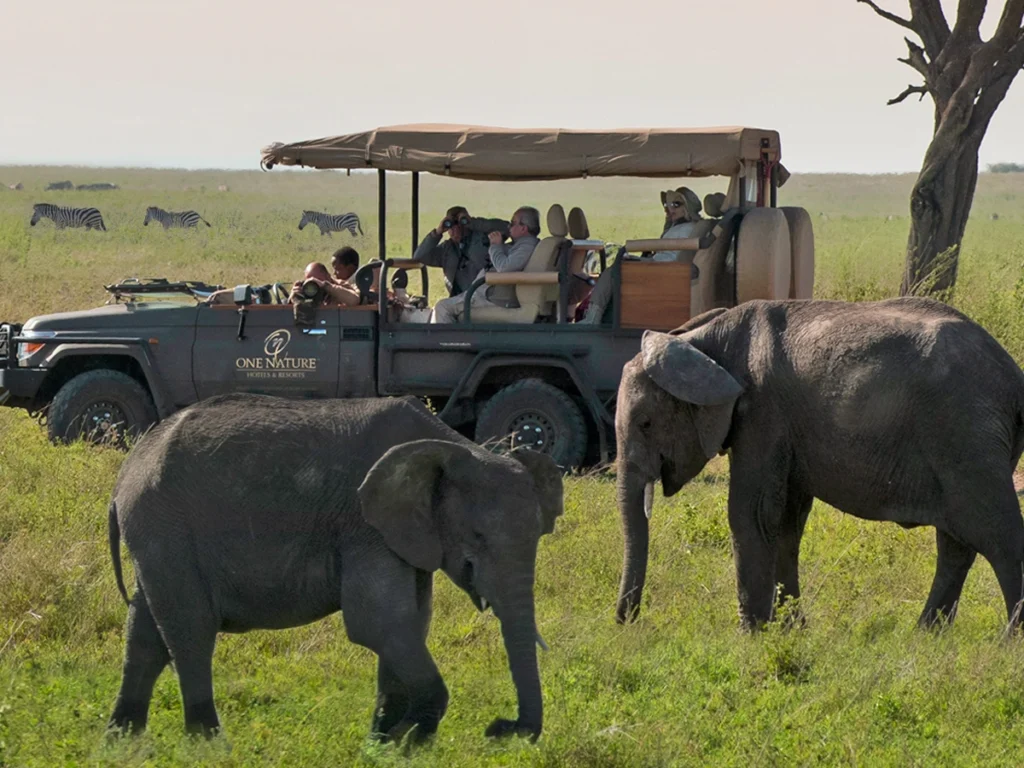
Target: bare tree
967,79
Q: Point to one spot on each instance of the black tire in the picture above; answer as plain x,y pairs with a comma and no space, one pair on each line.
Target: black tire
101,406
534,407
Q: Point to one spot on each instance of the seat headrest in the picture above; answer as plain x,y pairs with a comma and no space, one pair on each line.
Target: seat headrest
578,228
713,204
557,227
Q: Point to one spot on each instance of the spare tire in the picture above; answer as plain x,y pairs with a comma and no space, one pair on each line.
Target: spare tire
801,239
763,257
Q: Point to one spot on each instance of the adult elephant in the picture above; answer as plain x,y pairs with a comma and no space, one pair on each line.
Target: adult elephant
902,410
253,512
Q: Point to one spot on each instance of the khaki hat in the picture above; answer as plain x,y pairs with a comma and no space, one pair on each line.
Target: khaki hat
684,196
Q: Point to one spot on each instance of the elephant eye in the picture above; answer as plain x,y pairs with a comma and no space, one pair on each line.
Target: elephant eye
645,424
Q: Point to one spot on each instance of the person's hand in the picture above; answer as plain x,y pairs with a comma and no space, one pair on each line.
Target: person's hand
440,230
495,238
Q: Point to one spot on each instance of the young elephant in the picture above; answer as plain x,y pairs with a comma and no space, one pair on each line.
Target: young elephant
902,410
253,512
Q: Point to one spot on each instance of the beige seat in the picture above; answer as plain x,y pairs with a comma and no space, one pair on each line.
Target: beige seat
538,300
714,284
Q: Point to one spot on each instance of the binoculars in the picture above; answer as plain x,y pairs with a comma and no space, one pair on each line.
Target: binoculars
462,221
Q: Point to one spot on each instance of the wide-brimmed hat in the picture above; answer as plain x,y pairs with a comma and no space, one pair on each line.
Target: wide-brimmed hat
684,196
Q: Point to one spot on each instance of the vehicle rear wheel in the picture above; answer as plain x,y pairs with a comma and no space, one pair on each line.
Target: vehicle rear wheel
101,406
801,238
531,413
763,256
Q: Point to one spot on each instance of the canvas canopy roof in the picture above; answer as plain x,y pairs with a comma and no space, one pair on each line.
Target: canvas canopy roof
535,154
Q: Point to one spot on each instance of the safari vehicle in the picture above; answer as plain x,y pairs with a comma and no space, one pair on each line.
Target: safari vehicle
535,375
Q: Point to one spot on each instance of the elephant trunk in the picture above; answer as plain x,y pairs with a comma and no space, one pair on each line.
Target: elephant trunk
633,495
519,631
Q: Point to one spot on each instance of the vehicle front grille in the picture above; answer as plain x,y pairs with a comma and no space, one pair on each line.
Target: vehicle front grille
5,344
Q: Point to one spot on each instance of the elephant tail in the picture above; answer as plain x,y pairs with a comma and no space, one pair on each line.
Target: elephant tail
114,534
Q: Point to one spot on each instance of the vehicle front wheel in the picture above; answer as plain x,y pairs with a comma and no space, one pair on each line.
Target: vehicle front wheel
531,413
101,406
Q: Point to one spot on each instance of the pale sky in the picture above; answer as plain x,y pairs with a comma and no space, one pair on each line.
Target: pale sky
207,83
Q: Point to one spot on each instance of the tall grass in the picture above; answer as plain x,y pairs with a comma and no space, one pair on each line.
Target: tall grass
858,686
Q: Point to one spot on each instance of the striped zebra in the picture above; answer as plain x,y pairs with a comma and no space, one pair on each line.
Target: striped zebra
331,222
89,218
173,218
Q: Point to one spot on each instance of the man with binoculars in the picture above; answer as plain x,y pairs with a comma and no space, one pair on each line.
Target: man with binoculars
464,254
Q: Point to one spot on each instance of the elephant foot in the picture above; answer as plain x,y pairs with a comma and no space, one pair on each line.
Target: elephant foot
201,720
412,733
502,728
128,719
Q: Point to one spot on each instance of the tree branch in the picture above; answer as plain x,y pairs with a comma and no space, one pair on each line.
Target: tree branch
905,23
930,23
910,90
916,59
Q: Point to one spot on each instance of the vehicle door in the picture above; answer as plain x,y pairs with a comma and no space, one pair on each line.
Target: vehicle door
274,356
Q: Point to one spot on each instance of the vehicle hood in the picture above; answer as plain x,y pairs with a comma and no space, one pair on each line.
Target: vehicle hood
118,316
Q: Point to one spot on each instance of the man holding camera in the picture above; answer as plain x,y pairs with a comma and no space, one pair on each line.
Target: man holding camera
464,254
523,229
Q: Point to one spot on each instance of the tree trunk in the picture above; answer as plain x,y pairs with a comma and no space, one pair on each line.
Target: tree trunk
967,78
939,206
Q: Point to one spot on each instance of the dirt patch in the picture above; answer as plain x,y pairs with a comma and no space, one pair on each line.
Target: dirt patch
1018,482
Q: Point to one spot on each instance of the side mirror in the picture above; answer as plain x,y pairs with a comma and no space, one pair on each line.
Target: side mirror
243,295
243,298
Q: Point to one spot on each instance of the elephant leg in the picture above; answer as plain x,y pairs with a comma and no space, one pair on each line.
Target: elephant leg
951,567
997,532
145,657
178,598
392,701
787,559
387,609
757,506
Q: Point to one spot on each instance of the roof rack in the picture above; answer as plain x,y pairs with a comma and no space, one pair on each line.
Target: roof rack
157,287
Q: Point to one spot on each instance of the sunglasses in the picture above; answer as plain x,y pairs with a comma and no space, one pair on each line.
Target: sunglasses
673,205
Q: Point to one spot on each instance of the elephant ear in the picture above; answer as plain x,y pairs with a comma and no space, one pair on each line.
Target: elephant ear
689,375
685,372
398,494
547,479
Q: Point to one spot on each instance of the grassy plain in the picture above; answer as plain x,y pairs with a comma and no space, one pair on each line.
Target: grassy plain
858,686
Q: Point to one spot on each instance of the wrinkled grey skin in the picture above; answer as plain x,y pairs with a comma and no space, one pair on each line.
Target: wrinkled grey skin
252,512
900,410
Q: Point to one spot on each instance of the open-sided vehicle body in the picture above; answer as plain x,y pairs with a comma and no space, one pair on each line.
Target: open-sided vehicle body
535,372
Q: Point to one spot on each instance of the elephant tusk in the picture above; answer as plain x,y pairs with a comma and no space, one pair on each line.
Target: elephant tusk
648,499
540,641
483,603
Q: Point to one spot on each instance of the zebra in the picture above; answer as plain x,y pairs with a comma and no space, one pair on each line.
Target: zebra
331,222
89,218
173,218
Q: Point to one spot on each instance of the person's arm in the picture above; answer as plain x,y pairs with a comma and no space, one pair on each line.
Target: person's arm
342,294
512,258
430,252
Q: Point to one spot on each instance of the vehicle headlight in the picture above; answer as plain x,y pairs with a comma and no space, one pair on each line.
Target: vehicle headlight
28,348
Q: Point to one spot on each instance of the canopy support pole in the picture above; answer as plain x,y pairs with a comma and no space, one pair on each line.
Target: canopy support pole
382,213
415,210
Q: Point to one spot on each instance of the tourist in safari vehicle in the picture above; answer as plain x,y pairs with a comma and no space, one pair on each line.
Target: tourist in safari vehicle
539,370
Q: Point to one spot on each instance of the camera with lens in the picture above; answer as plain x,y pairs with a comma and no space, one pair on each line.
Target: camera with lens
306,300
312,291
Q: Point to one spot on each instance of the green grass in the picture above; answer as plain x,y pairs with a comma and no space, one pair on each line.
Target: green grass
858,686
